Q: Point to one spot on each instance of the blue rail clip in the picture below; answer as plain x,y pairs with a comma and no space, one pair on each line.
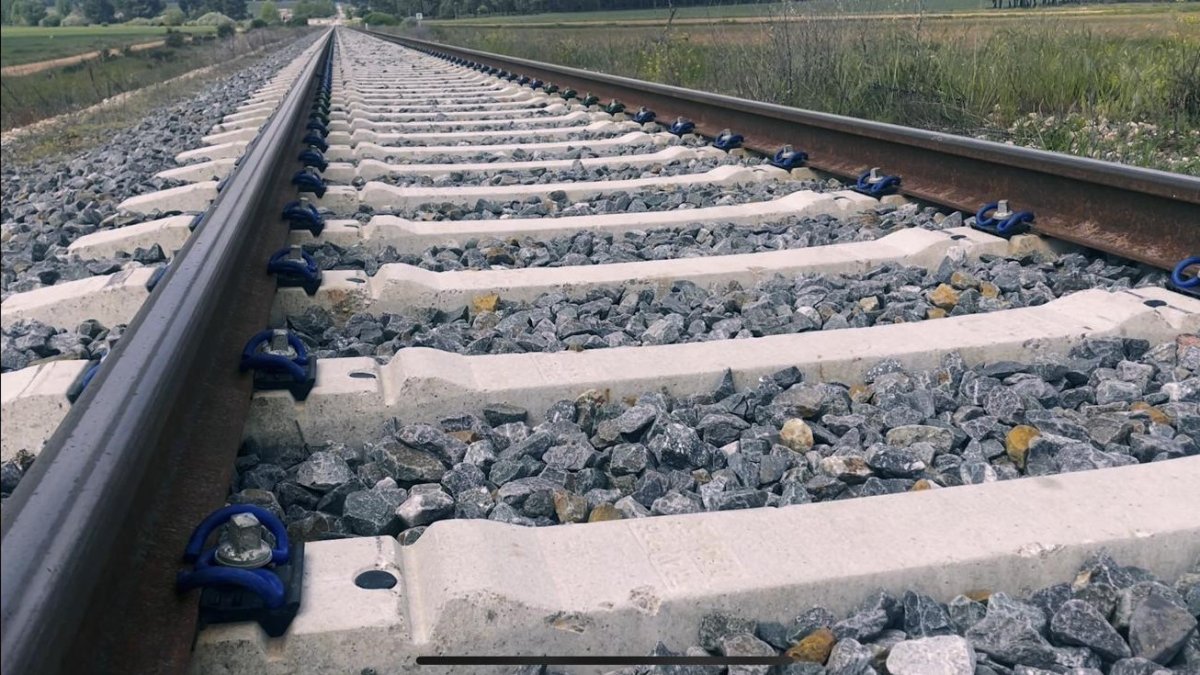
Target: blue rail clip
996,218
314,158
644,115
316,140
252,573
308,180
1184,283
682,126
302,215
85,377
280,361
875,185
293,268
727,140
788,158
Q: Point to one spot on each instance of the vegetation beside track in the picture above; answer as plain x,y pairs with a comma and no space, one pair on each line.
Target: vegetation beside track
1120,86
30,44
28,98
717,12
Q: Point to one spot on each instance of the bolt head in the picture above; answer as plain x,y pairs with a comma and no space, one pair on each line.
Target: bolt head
244,543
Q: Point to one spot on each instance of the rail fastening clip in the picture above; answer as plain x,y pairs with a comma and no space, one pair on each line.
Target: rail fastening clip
302,215
788,158
280,361
996,218
294,268
1184,283
873,184
253,573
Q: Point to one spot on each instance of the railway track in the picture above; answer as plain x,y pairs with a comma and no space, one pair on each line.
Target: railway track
493,304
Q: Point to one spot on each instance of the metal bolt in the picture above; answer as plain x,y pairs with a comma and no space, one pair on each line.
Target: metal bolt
244,543
1001,211
294,253
874,177
279,344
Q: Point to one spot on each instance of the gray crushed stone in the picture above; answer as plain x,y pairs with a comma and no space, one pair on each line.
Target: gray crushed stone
1110,402
622,316
1110,618
46,206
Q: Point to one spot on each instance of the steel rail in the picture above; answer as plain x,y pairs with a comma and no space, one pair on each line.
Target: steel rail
82,557
1141,214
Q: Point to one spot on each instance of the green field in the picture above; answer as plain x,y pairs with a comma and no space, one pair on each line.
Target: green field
732,11
741,12
1113,82
29,44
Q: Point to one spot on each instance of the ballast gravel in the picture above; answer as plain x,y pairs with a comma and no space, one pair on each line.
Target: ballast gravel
578,173
517,137
46,206
1110,618
559,205
534,154
1111,402
517,126
622,316
593,248
25,344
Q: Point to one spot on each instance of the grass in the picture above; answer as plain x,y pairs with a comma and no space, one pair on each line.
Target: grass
30,44
29,98
740,12
1123,87
70,135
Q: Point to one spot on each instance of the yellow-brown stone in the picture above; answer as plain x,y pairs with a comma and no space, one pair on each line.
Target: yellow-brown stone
466,436
989,290
570,507
979,595
486,303
922,484
604,512
796,435
861,393
935,313
814,648
1157,416
944,296
963,280
1016,444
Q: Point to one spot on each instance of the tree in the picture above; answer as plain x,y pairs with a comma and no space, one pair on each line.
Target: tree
188,7
63,7
234,9
27,12
315,8
98,11
34,12
269,12
140,8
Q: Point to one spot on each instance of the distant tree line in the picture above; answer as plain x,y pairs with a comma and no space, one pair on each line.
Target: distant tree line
52,12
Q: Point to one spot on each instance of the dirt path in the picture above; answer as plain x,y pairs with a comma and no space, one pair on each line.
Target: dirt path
39,66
